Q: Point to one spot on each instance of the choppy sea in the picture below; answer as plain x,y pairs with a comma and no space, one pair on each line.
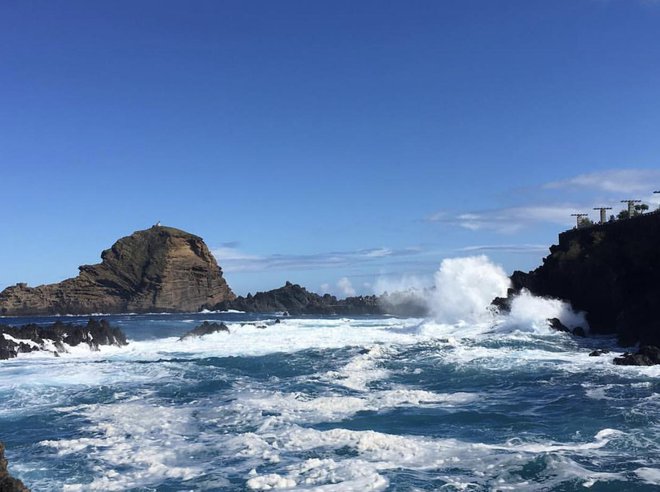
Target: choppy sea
332,404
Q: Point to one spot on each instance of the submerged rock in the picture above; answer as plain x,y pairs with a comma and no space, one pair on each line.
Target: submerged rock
647,355
161,269
7,482
32,337
205,328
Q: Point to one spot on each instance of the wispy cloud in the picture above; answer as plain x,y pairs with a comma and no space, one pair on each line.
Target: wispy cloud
506,248
557,208
235,260
508,220
615,180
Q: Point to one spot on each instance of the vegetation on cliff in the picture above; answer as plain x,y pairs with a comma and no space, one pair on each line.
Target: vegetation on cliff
611,271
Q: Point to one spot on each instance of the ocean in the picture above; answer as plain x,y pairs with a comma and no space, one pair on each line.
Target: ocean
333,404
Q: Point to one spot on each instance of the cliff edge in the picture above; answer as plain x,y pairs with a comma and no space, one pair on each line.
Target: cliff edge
161,269
611,271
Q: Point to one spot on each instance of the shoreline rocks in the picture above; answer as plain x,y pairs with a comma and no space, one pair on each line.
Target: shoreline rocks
54,338
647,355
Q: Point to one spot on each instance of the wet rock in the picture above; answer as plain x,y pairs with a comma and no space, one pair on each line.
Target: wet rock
611,272
647,355
32,337
598,352
205,328
7,482
557,325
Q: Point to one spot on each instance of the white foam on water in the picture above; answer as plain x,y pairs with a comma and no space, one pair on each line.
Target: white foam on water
147,442
479,464
649,475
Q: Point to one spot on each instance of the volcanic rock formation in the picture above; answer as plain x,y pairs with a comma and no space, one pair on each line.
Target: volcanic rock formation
161,269
611,271
55,338
296,300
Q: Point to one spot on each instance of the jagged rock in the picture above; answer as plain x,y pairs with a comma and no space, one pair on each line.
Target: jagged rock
647,355
611,271
598,352
292,299
205,328
296,300
557,325
32,337
7,482
161,269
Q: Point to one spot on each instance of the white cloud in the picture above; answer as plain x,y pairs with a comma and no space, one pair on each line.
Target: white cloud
615,180
507,248
233,260
346,287
512,219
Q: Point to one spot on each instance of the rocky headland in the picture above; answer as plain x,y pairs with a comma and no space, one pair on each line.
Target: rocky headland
296,300
7,482
612,272
161,269
57,337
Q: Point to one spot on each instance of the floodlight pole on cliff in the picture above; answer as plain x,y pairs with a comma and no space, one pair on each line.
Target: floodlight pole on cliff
579,219
603,214
631,206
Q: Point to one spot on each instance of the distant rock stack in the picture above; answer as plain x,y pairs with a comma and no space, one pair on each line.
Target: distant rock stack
161,269
7,482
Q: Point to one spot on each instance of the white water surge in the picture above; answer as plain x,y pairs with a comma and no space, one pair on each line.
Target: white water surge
468,400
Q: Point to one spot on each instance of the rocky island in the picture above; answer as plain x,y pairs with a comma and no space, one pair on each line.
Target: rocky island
161,269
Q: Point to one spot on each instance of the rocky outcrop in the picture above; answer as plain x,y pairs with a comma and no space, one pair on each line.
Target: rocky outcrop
160,269
296,300
57,337
611,271
647,355
205,328
7,482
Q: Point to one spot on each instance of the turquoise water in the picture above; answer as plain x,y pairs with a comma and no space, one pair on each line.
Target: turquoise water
332,404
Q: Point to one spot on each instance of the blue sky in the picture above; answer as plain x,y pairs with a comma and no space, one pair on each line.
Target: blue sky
339,144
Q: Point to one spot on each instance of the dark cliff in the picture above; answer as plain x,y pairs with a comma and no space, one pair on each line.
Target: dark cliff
160,269
296,300
611,271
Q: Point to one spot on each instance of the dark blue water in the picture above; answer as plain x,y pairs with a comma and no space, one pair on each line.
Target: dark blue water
331,404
